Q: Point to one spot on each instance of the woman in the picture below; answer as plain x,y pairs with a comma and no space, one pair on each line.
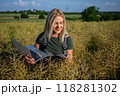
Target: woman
55,38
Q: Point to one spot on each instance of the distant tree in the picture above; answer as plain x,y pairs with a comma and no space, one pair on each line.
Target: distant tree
29,11
22,12
23,15
34,10
17,17
106,17
41,16
90,14
116,16
15,11
8,11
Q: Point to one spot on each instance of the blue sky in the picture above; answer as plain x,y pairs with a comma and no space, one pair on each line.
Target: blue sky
64,5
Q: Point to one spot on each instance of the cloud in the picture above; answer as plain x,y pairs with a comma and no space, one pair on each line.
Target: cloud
33,3
21,3
25,3
110,3
16,3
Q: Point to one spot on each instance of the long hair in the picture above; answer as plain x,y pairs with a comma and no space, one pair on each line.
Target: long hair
48,30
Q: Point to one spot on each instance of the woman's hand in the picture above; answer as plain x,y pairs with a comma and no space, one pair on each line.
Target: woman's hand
30,60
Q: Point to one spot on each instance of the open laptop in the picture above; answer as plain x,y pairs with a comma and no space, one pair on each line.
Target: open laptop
33,51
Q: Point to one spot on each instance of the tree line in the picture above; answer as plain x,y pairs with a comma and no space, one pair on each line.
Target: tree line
93,14
26,11
89,14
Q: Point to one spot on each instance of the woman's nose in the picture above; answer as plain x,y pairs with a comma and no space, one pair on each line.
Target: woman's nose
58,25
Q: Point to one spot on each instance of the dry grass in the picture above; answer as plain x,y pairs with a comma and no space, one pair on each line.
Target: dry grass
96,52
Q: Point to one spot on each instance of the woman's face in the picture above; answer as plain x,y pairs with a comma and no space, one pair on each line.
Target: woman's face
58,25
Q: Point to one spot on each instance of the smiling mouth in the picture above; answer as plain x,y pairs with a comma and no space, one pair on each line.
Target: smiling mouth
57,29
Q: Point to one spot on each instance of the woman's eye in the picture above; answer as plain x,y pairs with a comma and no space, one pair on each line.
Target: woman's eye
56,23
61,22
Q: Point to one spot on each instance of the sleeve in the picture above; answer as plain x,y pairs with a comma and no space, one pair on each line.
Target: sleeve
38,40
69,43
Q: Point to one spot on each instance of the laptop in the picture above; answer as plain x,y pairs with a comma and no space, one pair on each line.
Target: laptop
25,50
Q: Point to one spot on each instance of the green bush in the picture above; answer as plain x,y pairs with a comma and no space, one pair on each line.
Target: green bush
23,15
41,16
16,17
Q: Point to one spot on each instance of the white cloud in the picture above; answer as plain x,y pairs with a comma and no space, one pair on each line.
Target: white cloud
16,3
21,3
33,3
110,3
24,3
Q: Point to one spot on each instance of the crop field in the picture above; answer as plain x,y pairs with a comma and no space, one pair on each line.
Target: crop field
96,54
32,18
10,18
12,15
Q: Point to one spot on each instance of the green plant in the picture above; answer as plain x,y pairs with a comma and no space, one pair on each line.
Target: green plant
17,17
41,16
23,15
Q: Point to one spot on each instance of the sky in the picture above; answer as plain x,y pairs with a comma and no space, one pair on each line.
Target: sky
64,5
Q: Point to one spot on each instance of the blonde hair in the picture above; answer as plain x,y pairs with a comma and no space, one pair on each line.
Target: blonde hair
48,30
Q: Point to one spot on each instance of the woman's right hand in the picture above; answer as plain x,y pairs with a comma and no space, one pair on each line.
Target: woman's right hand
30,60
